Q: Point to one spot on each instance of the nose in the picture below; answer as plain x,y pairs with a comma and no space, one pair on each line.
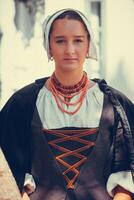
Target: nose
70,49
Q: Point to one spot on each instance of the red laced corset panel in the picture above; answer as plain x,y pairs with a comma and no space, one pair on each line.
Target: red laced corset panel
71,147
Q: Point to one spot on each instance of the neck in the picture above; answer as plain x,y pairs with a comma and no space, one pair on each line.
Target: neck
68,78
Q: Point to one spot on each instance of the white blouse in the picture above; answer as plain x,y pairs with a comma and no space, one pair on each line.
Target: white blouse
88,116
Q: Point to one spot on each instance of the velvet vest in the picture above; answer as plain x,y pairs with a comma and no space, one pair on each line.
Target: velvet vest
91,182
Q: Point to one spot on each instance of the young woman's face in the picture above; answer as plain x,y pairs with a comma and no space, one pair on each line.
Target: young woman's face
69,44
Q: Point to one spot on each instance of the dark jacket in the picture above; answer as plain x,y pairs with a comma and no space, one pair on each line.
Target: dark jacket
16,135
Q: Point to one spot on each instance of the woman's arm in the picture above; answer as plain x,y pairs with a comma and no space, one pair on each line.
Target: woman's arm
25,196
122,194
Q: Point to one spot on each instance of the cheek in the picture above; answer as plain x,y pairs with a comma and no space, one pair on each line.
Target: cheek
51,47
54,50
85,48
84,51
57,53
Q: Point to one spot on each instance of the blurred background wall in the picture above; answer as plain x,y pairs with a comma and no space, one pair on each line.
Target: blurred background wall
23,58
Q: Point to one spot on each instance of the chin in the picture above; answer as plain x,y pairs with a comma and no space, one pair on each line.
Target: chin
70,67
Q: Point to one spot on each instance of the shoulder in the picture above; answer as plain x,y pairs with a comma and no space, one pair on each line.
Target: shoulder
123,99
26,95
117,97
113,93
32,88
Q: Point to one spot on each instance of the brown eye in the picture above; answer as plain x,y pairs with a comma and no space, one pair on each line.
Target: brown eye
78,41
59,41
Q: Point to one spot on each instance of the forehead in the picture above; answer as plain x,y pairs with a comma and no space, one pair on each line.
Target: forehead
64,26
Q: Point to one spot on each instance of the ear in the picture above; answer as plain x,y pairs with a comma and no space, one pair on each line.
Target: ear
87,56
50,50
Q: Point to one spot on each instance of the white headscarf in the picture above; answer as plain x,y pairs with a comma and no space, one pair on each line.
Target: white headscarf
47,26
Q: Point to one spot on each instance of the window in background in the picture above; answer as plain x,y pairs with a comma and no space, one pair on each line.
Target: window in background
94,12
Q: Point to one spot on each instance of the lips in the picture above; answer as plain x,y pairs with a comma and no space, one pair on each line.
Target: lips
70,59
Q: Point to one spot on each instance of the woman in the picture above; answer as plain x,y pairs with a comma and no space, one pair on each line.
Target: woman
66,136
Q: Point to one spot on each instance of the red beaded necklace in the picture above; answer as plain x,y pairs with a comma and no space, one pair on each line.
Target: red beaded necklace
63,94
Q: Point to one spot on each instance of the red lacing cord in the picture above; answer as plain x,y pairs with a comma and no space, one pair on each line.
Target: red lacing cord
76,136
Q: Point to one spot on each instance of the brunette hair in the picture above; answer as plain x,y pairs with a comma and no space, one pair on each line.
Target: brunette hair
70,14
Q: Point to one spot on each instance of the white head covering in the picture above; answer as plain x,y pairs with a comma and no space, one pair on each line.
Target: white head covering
47,25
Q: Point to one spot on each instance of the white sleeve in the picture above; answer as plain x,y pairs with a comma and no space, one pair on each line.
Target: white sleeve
122,178
29,184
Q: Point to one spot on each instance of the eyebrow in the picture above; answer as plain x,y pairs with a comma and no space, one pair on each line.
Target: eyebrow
76,36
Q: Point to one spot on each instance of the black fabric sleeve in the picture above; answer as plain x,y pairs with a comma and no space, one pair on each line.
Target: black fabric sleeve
15,137
15,129
124,138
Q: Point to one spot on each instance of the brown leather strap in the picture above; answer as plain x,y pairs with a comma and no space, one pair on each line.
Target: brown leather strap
71,135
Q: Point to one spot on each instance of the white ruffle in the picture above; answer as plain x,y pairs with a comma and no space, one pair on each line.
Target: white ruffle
29,183
122,178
